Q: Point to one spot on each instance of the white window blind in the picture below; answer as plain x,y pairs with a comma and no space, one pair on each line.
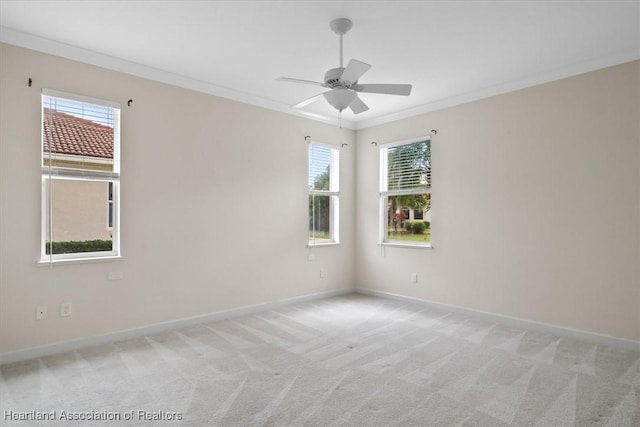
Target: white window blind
407,167
322,176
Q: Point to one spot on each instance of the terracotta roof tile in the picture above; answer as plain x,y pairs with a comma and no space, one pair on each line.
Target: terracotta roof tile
68,134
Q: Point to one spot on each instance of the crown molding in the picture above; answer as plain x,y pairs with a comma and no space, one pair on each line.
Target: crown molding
40,44
51,47
534,80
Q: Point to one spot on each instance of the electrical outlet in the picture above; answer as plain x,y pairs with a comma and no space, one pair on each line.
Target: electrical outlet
322,273
65,309
414,277
41,312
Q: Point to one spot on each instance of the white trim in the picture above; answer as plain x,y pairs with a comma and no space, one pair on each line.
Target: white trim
406,191
406,245
95,257
76,158
64,346
44,183
335,217
561,331
80,98
76,256
475,95
420,138
323,144
40,44
324,193
321,245
71,174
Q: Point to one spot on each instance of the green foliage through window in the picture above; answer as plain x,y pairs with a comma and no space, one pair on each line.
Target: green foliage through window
72,246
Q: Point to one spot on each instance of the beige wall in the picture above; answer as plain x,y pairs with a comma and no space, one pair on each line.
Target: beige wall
535,205
195,170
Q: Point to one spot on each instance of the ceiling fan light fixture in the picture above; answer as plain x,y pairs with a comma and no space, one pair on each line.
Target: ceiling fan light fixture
340,98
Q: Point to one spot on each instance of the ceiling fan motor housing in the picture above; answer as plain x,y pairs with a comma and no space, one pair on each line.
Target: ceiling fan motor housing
332,77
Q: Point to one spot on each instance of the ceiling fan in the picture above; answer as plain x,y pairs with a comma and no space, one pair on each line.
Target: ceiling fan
343,82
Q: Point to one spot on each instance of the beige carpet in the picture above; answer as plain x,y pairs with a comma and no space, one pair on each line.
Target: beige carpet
354,360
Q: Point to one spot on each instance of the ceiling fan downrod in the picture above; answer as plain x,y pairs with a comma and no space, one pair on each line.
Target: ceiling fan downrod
341,66
340,26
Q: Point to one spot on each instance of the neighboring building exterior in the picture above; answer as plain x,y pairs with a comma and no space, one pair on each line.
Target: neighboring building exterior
415,214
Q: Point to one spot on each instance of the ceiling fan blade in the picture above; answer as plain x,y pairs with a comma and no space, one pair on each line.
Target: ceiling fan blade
387,89
308,101
308,82
357,106
355,69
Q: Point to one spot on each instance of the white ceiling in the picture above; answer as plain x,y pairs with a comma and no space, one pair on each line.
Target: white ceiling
451,51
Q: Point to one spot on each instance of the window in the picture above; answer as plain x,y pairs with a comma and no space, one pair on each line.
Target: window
80,172
405,192
324,182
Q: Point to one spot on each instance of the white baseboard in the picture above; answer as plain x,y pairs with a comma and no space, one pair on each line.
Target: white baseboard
64,346
561,331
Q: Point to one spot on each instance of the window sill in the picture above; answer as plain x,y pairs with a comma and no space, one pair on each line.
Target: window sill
321,245
45,261
405,245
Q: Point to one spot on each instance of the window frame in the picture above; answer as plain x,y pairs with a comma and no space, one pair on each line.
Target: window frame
385,194
333,193
50,173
